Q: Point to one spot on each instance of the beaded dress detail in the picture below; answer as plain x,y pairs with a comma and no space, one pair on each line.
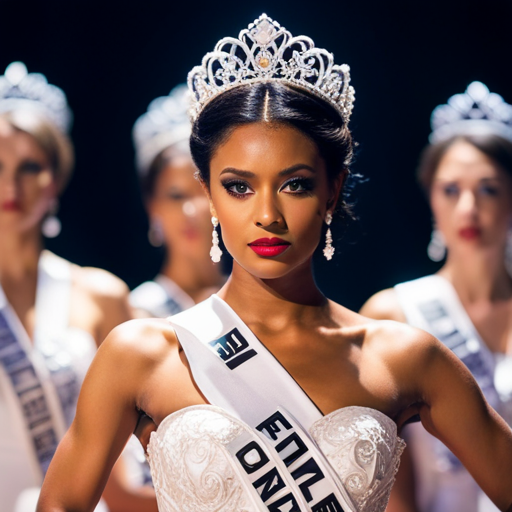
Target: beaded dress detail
193,472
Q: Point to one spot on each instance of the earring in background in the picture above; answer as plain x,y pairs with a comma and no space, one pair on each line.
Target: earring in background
155,233
215,251
328,249
436,249
51,226
508,253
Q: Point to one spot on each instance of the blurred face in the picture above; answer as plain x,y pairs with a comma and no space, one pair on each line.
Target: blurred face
27,187
270,192
181,206
471,199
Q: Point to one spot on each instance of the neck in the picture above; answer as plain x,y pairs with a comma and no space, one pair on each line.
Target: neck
480,276
278,301
193,275
20,254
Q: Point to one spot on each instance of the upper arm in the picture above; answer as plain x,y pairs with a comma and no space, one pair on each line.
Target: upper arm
384,305
106,416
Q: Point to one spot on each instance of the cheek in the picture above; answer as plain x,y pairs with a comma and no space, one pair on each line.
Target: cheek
36,189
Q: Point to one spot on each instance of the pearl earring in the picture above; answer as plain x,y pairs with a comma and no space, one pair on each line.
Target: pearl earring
51,226
328,249
436,249
155,233
215,251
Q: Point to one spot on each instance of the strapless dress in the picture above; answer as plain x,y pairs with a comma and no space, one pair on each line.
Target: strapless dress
193,471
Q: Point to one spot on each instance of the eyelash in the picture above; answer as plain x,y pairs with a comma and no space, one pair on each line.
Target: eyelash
306,184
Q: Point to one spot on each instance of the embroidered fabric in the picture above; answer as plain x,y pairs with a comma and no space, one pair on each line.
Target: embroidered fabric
193,471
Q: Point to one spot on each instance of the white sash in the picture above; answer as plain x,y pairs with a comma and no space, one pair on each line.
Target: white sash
43,386
431,303
235,371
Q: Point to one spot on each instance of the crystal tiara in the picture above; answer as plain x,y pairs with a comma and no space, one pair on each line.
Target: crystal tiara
31,91
263,52
165,123
475,112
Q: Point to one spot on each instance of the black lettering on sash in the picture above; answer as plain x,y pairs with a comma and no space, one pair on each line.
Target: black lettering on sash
300,450
309,467
251,467
287,503
231,348
329,504
271,427
271,482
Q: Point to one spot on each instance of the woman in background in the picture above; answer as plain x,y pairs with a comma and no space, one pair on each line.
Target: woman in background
177,207
466,172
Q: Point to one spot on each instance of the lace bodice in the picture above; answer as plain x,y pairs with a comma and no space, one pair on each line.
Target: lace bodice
193,470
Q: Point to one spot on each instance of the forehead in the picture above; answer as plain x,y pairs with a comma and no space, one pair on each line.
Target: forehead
19,145
263,146
462,161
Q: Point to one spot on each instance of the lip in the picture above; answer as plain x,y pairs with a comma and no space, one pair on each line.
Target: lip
269,246
11,206
470,233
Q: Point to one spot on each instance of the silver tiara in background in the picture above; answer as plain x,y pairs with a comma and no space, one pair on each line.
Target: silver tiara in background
20,90
475,112
263,52
165,124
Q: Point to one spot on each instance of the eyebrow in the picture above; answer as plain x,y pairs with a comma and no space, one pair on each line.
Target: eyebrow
284,172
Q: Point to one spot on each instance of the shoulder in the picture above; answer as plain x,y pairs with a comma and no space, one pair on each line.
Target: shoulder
384,305
100,284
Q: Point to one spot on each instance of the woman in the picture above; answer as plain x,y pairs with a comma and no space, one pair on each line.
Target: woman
53,314
237,423
177,208
466,172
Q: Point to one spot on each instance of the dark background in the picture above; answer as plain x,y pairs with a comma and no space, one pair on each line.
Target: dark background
113,58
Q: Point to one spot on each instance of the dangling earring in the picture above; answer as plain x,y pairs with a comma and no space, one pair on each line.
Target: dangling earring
508,253
328,249
51,226
155,233
215,251
436,249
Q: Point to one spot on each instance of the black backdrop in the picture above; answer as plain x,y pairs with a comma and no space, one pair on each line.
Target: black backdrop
113,58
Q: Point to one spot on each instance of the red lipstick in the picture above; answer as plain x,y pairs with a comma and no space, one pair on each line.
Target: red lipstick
11,206
470,233
269,246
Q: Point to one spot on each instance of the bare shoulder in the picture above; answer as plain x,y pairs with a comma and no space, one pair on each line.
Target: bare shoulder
100,283
384,305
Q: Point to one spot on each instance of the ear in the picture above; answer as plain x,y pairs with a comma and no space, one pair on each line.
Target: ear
337,187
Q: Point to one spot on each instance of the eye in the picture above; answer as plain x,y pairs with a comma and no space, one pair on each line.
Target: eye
175,196
489,190
31,167
451,190
237,188
298,186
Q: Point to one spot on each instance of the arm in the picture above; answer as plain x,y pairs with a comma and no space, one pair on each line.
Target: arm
106,417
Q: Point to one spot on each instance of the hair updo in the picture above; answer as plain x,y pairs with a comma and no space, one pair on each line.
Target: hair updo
276,103
493,146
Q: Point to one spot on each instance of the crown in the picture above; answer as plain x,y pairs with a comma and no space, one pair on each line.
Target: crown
22,90
165,123
263,52
475,112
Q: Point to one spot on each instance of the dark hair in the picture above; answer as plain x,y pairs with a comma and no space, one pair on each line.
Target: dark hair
277,103
495,147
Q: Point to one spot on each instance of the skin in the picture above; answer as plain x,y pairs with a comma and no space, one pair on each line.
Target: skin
181,207
338,357
98,299
469,190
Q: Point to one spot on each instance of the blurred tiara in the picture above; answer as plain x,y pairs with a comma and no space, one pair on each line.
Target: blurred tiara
31,91
165,124
475,112
267,52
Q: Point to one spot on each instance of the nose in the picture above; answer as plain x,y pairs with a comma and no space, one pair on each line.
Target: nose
189,209
267,212
467,204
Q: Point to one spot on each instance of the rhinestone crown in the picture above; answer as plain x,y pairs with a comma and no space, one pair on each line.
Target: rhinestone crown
22,90
165,123
475,112
265,51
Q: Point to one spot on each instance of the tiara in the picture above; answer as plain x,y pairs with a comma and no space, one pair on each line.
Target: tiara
263,52
165,123
22,90
475,112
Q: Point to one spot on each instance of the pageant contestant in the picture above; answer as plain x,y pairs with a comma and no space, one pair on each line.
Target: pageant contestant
466,171
177,207
53,314
268,396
